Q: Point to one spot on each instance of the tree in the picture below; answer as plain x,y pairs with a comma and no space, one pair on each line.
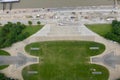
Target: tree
11,33
38,22
114,22
19,23
2,76
22,36
115,33
118,79
112,36
30,23
0,23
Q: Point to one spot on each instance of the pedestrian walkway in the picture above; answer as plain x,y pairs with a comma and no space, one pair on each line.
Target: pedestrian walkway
18,60
109,59
48,33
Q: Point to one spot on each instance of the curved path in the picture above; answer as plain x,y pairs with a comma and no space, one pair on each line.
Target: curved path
109,58
55,32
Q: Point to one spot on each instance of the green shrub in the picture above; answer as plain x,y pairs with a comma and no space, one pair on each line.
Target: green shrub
10,33
115,34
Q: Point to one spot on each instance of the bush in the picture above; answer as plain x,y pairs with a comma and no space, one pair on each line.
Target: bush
30,23
11,33
38,22
2,76
118,79
115,34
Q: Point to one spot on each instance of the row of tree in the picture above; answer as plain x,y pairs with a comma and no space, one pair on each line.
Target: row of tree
30,22
11,33
115,33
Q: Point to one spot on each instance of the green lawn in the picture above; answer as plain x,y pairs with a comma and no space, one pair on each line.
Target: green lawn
4,53
3,67
101,29
0,28
32,29
65,60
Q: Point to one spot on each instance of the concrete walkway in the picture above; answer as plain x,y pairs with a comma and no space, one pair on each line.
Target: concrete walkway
111,47
18,60
109,59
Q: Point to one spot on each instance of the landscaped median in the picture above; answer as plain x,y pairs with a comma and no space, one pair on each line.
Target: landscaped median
65,60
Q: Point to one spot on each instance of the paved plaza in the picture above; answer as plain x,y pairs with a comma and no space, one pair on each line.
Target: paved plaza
62,25
62,16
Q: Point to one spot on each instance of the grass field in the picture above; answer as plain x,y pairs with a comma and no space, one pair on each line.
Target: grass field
0,28
4,53
3,67
65,60
101,29
32,29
